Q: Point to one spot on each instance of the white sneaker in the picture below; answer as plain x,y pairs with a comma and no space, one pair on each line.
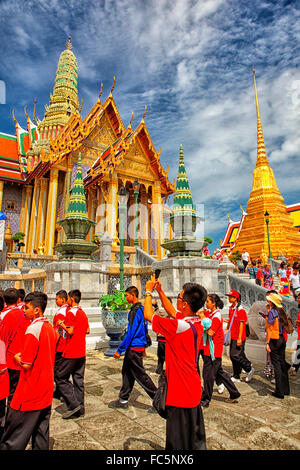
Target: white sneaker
234,379
250,375
221,389
273,381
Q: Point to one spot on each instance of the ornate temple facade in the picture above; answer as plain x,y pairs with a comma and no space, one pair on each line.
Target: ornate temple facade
251,232
38,167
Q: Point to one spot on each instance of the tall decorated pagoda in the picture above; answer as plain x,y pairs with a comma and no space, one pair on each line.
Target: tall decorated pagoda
266,226
38,167
183,219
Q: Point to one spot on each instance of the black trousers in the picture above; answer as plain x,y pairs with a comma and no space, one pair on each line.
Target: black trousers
20,426
161,346
14,376
213,371
72,392
277,346
2,415
239,359
245,263
58,359
133,370
185,429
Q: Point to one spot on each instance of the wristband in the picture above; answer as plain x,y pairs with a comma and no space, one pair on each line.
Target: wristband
148,293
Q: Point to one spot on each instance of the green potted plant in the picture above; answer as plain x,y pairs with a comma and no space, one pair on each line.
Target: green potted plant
17,238
114,318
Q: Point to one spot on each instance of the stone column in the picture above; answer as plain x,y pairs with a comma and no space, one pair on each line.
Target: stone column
156,218
33,217
226,267
25,211
41,217
112,210
144,221
51,212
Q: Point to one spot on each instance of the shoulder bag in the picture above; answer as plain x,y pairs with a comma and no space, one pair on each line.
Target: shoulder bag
227,336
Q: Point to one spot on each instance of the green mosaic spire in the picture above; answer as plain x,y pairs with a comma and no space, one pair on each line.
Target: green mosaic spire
77,204
183,197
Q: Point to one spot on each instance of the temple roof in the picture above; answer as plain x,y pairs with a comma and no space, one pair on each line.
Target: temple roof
9,158
114,154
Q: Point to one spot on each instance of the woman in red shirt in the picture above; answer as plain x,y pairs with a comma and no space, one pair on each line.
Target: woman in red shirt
212,368
238,316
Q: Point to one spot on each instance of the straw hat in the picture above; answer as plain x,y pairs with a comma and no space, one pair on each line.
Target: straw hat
275,299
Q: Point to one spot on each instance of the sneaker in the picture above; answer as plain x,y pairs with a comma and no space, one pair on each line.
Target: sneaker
273,381
235,379
118,404
70,413
233,400
221,389
250,375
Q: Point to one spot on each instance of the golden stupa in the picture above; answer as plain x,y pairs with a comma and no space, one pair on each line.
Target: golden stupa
265,197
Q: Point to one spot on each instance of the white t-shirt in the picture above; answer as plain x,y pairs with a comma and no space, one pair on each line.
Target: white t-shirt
295,281
245,256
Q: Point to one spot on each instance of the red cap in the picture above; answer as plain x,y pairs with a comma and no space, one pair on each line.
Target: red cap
234,293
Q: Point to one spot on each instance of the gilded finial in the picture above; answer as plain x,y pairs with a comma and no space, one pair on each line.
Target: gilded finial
256,97
13,113
69,44
131,119
145,112
35,101
113,87
26,111
101,90
81,105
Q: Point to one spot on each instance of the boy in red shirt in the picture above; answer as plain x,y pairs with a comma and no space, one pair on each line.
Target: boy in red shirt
30,408
13,327
73,357
61,314
238,319
185,425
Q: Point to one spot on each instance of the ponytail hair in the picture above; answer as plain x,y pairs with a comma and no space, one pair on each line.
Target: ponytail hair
216,300
282,316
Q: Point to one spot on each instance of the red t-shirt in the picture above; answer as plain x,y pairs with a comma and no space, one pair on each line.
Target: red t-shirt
76,344
35,387
184,382
61,315
218,337
239,317
12,318
258,274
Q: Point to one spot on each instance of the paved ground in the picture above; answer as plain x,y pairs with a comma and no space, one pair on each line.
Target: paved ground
258,421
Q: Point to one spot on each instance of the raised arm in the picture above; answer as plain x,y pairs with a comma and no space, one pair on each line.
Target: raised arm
167,305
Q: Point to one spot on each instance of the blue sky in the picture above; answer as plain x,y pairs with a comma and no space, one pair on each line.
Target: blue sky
191,63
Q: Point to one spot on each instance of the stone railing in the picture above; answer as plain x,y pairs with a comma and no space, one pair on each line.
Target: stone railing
29,282
16,261
251,292
142,258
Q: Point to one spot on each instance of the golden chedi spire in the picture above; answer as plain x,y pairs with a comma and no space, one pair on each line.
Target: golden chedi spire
265,196
64,100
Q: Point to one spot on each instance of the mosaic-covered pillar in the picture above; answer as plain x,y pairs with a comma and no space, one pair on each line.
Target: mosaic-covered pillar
51,212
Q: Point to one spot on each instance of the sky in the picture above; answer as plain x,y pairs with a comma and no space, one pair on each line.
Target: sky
190,62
